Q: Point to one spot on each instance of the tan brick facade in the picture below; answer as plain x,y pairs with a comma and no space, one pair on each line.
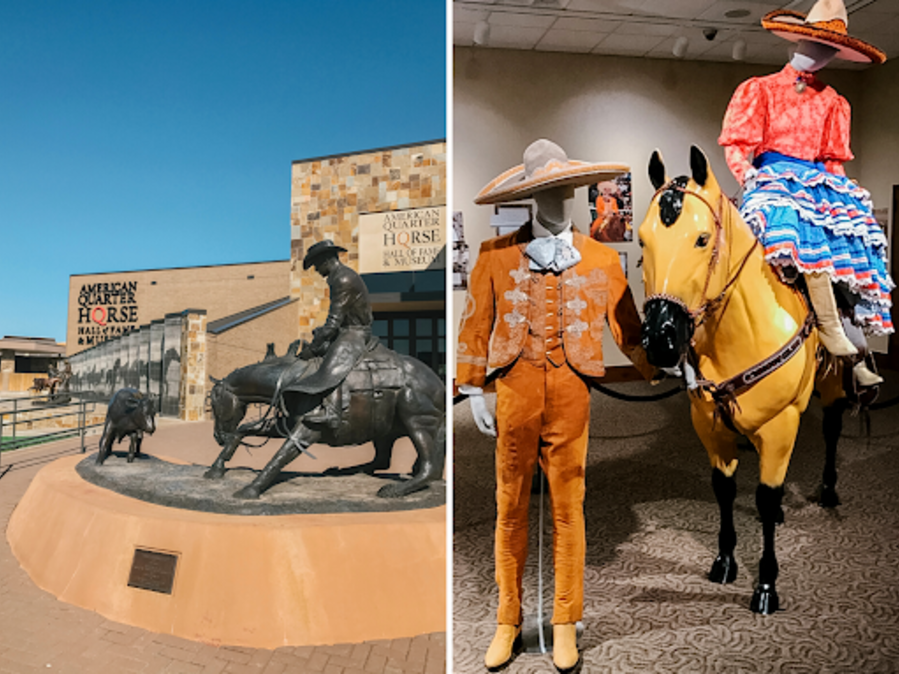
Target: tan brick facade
221,290
329,194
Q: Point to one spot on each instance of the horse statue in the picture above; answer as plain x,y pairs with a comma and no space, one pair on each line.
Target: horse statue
748,344
40,384
385,397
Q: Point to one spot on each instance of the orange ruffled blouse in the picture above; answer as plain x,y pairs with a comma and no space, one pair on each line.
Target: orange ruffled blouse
767,114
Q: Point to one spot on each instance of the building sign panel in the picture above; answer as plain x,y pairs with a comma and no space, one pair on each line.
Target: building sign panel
408,240
106,310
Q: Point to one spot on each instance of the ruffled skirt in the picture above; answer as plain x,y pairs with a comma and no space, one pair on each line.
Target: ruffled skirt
817,221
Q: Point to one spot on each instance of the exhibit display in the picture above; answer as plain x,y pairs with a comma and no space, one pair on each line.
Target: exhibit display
786,137
342,389
538,303
261,558
746,341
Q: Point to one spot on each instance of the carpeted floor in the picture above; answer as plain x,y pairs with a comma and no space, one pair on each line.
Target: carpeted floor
652,525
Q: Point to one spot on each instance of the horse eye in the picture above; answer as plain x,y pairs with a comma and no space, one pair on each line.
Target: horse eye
703,240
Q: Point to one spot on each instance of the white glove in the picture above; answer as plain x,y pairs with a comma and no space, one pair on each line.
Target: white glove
482,416
673,371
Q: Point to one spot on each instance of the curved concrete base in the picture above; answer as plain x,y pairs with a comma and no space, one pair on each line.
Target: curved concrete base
262,582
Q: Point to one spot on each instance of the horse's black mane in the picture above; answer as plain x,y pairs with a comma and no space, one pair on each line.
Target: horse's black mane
672,200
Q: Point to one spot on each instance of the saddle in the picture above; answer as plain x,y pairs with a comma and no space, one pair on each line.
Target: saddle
368,394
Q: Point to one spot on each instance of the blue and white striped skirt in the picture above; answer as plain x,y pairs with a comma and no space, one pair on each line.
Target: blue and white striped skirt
817,221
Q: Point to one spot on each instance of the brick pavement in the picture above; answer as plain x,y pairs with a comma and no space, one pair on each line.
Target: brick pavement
38,633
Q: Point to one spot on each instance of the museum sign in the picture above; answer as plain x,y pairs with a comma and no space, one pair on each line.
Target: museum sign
408,240
106,310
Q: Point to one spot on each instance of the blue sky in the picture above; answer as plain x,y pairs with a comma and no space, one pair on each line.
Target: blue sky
140,135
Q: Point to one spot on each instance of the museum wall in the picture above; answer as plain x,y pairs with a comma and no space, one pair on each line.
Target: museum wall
598,108
875,131
245,344
329,194
221,290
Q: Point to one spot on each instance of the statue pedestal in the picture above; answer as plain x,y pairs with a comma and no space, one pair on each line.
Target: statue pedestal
257,581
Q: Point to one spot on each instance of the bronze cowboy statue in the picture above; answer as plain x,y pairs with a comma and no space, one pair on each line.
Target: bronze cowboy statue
343,389
343,338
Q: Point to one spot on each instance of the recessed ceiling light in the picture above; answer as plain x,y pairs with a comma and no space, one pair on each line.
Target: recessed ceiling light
737,13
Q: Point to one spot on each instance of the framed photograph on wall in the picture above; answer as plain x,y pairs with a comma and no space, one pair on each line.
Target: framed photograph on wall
612,210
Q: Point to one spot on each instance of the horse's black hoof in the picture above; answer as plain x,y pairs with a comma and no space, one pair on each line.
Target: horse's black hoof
394,491
724,569
828,498
764,600
248,493
214,473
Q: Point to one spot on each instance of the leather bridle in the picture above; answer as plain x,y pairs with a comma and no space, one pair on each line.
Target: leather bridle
724,395
707,306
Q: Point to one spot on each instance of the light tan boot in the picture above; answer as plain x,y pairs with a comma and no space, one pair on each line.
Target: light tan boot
565,655
830,328
864,376
504,643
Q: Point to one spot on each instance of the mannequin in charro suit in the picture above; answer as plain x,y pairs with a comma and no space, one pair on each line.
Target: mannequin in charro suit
538,303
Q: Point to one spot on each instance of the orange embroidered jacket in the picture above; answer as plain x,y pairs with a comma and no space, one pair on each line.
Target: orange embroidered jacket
505,311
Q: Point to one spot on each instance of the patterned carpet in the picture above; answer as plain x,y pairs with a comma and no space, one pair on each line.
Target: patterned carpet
652,525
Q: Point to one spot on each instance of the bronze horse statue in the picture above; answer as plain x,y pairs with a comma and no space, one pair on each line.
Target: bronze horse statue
387,396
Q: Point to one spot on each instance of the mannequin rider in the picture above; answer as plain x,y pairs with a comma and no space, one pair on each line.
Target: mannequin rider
786,137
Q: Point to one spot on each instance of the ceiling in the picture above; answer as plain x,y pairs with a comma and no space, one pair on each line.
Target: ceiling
650,28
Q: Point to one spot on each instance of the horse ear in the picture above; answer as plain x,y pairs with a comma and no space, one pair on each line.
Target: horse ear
699,166
657,174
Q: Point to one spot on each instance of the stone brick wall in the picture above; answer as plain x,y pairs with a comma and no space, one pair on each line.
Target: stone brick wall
193,365
328,195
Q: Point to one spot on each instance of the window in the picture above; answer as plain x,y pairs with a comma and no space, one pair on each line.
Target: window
421,334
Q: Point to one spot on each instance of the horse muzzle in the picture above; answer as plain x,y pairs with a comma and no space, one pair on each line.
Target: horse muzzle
667,330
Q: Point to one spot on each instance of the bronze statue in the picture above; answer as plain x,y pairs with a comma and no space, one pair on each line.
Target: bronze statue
345,388
344,336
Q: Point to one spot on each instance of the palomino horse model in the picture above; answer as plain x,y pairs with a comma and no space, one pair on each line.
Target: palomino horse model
386,397
749,341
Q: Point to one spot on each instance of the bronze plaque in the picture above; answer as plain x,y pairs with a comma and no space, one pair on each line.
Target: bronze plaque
153,571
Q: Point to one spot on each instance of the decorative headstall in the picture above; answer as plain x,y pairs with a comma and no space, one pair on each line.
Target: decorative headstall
724,395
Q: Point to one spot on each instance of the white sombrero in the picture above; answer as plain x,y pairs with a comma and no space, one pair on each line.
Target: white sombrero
825,23
545,166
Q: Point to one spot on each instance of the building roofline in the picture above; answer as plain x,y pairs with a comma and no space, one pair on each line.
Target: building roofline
199,266
371,151
224,324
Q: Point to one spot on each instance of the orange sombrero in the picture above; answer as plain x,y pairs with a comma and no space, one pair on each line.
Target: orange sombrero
826,23
545,166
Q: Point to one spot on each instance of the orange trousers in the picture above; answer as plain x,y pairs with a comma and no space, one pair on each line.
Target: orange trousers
543,411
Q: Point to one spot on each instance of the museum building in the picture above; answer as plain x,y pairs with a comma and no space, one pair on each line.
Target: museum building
167,331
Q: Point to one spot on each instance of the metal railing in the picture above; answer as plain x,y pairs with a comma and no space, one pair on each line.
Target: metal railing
13,413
